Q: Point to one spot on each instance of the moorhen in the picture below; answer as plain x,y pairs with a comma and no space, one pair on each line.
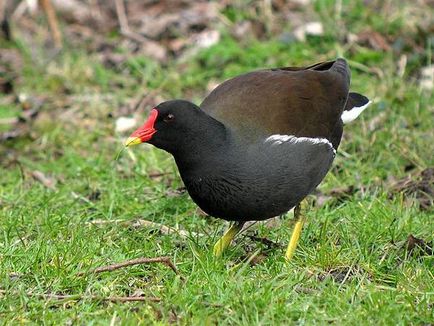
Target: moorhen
259,143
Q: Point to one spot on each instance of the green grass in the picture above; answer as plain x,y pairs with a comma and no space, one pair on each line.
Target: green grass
351,266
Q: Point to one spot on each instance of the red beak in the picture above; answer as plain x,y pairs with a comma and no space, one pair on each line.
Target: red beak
145,132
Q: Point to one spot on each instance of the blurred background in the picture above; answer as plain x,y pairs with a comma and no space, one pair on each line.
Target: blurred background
77,76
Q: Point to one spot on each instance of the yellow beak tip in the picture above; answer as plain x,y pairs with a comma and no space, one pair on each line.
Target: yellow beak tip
132,141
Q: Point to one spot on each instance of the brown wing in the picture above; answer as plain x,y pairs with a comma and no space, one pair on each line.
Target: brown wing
292,101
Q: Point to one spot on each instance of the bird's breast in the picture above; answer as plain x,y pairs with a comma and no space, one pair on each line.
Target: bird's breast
234,198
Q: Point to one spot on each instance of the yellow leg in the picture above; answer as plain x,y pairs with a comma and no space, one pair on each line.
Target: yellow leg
300,219
227,238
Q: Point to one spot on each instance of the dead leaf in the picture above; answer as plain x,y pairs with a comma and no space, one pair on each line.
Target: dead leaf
243,30
153,49
419,247
177,44
342,274
98,16
338,195
165,20
15,276
112,59
176,192
257,259
374,40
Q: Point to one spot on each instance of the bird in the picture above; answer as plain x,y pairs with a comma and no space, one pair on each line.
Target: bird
259,143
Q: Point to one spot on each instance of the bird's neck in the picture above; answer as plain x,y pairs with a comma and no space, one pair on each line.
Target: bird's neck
206,150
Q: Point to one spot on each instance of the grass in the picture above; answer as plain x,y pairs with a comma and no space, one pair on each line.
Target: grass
351,265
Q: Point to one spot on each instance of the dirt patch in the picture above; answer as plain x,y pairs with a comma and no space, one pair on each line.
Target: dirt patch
417,186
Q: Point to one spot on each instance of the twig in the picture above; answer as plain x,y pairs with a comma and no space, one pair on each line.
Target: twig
123,23
80,297
134,36
122,16
52,22
150,175
165,260
47,182
2,9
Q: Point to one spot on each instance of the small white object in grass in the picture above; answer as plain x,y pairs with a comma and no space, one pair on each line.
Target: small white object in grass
302,2
124,124
312,28
427,78
352,38
351,115
23,97
207,38
32,5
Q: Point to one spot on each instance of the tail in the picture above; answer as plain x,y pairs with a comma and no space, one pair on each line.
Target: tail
356,104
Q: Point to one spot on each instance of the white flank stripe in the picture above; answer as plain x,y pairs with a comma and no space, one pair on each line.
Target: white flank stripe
351,115
281,139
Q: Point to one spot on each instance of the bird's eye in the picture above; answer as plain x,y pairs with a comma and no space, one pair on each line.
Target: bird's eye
169,118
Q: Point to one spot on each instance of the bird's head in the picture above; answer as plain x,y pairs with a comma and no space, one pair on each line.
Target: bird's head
172,125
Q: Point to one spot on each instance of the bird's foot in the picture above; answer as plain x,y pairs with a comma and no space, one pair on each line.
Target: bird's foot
227,238
300,219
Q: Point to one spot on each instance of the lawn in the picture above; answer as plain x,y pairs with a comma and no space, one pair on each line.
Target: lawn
70,203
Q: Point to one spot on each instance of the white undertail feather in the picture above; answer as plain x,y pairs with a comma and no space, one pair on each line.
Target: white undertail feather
281,139
351,115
